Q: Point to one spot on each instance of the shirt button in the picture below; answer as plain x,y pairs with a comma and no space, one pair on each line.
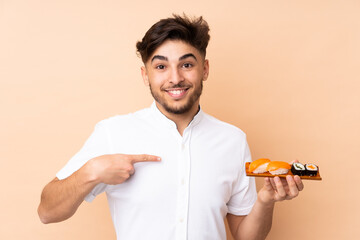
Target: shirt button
181,220
182,146
182,181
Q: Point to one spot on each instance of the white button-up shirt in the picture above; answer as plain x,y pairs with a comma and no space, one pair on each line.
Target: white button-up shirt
187,195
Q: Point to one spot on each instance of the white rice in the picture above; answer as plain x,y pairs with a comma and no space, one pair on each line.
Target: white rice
279,171
261,168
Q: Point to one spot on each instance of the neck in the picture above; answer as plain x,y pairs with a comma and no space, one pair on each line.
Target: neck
181,120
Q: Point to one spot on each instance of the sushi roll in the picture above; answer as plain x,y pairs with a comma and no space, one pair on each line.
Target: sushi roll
278,167
298,169
259,165
311,169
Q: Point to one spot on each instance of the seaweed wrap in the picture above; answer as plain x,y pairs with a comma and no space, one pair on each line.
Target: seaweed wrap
311,169
298,169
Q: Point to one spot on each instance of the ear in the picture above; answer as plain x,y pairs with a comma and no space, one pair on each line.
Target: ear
206,70
144,75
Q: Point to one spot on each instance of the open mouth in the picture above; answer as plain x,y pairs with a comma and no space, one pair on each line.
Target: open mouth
177,92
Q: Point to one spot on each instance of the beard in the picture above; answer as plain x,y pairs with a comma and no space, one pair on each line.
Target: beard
186,107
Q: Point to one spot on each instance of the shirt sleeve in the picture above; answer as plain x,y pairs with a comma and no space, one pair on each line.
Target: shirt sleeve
244,192
96,145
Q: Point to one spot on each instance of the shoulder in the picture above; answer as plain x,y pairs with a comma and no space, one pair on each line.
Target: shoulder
124,120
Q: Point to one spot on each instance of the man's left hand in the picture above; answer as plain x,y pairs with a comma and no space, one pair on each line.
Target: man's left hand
279,189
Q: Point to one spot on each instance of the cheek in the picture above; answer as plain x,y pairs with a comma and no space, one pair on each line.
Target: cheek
156,82
194,77
160,78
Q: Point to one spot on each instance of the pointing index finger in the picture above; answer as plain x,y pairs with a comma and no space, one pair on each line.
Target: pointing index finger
144,158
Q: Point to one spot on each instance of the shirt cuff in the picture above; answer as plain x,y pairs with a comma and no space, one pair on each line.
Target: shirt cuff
240,211
90,197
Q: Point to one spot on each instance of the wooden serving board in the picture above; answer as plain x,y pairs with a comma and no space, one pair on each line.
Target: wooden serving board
267,174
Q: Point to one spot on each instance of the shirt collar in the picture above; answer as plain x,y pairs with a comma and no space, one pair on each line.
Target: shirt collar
169,123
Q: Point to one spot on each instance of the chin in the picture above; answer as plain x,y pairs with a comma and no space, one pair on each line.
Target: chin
184,108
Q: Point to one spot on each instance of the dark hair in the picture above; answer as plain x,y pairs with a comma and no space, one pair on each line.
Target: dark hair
192,31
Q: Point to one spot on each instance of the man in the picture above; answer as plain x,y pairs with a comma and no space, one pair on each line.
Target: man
195,174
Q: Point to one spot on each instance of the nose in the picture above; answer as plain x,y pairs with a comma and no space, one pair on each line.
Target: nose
176,76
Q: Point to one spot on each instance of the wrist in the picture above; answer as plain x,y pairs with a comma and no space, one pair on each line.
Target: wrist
264,199
266,203
89,173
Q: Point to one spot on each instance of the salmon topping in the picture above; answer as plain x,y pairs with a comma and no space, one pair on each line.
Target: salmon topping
276,165
257,163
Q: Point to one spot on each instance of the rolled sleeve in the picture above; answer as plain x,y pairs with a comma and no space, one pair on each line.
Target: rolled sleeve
244,192
96,145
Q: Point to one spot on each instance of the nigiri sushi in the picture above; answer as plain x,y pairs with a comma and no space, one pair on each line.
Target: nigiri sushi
259,165
278,167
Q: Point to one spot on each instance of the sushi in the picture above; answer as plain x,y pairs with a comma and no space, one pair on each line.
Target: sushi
311,169
298,169
259,165
265,168
278,167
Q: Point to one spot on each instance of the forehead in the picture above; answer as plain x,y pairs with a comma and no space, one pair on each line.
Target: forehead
174,49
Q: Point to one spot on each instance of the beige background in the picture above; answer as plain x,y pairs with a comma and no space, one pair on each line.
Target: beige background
286,72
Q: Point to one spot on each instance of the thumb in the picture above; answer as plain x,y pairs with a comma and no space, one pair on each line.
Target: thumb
294,161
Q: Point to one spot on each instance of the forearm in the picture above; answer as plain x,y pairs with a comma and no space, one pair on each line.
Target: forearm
257,224
61,198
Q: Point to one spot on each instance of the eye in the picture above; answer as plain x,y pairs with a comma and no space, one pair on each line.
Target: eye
160,67
187,65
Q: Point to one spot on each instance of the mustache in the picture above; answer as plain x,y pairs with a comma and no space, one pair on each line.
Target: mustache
179,85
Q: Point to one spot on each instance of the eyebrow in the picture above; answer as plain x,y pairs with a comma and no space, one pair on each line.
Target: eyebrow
160,57
187,56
